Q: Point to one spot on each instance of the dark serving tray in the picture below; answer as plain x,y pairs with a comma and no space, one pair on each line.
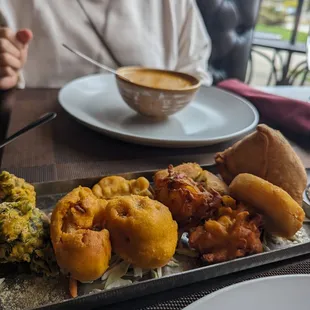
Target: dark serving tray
49,193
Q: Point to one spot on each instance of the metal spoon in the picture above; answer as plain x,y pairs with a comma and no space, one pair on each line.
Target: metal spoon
40,121
308,191
93,61
306,203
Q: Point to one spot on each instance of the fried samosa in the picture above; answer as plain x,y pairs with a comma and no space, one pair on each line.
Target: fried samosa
268,155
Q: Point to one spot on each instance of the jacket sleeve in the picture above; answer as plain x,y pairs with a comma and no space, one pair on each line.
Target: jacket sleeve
194,45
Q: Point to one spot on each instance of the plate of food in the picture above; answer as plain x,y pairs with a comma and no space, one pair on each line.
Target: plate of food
213,116
271,292
97,241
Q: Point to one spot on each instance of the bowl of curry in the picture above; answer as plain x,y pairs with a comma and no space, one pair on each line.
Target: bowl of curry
156,93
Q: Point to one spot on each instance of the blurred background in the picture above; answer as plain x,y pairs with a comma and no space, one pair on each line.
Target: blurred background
279,47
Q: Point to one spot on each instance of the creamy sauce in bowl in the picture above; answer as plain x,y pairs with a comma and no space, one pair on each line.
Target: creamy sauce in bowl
159,79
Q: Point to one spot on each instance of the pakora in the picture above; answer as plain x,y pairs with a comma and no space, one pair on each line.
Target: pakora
14,189
233,233
80,240
282,214
193,171
113,186
24,232
142,231
268,155
188,201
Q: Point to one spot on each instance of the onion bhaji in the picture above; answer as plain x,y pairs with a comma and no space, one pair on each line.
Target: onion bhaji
233,233
188,201
113,186
193,171
81,242
142,231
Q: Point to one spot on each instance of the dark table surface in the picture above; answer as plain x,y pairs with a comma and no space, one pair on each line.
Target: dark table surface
64,149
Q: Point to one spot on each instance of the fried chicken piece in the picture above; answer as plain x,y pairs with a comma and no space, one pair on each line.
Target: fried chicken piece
188,202
142,231
81,242
113,186
268,155
235,233
193,171
14,189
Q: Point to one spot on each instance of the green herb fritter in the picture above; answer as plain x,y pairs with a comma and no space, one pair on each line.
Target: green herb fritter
24,237
13,189
24,229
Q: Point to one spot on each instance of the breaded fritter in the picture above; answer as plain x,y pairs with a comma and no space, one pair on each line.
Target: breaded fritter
193,171
113,186
232,234
188,202
283,216
81,242
142,231
13,189
24,232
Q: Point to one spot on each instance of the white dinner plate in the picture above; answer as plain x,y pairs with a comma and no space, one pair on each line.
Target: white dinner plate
271,293
214,116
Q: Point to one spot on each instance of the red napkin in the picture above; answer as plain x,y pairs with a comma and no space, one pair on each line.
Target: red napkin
286,113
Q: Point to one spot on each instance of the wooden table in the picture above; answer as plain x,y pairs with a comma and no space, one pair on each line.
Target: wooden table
64,149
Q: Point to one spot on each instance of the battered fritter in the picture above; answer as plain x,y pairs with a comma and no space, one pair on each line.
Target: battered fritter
142,231
193,171
14,189
113,186
188,201
232,233
81,243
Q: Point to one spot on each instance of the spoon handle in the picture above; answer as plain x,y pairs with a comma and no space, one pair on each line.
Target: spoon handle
42,120
89,59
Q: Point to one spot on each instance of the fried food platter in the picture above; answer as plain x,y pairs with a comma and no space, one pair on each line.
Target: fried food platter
189,223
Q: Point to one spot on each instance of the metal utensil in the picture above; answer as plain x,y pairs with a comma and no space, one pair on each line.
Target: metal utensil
40,121
93,61
306,203
308,191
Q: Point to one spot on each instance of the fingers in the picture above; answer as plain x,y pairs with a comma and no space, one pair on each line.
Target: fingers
13,54
7,59
8,82
8,78
24,36
8,34
7,47
7,71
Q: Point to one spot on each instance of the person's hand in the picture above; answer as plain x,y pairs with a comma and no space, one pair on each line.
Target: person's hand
13,55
